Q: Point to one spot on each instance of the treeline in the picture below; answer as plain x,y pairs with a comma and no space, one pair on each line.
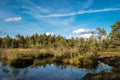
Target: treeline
101,42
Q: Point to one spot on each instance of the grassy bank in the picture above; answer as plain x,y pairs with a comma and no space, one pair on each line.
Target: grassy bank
57,52
60,55
113,75
105,75
68,56
20,53
108,54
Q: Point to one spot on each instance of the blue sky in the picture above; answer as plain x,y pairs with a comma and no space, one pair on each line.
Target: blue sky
68,18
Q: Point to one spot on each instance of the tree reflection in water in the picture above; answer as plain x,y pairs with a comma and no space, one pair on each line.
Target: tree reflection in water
15,72
45,69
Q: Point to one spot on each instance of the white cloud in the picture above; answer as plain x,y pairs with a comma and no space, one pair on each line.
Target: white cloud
49,33
82,31
80,12
13,19
86,35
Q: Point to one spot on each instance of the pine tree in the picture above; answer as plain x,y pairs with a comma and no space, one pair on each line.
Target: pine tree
115,35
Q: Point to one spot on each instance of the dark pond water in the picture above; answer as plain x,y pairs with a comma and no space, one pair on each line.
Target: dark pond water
48,72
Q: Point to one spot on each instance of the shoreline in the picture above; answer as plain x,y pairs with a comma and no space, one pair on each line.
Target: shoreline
114,74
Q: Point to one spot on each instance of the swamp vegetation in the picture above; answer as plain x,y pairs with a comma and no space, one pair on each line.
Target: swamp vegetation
41,49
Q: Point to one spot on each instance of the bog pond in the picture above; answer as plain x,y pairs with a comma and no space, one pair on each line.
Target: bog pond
51,71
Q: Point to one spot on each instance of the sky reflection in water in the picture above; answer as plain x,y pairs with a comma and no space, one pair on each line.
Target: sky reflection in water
49,72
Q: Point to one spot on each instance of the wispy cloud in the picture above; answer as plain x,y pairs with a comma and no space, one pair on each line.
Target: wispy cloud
46,12
87,4
13,19
35,11
33,7
81,12
58,21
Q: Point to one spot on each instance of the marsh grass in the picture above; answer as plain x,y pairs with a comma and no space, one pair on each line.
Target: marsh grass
19,53
104,75
60,55
108,54
83,60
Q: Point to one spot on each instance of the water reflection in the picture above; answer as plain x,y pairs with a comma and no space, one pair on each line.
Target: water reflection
46,70
21,63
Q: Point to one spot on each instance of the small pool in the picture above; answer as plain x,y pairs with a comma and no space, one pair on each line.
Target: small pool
49,72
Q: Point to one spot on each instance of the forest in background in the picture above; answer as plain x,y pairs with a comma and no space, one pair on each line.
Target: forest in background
102,41
81,52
